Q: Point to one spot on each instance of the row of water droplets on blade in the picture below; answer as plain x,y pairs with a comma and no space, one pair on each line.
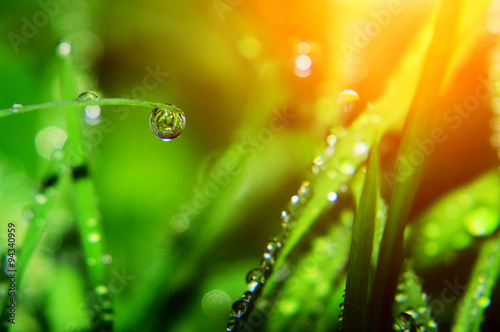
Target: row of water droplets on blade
411,304
166,123
256,278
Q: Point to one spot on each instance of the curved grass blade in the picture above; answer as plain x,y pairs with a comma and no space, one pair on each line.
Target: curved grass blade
419,120
358,281
470,311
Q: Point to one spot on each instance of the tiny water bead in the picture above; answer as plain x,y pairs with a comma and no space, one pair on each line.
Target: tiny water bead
88,96
256,275
16,107
167,124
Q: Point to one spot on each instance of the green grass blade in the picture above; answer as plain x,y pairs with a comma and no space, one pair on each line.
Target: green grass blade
357,283
470,311
420,119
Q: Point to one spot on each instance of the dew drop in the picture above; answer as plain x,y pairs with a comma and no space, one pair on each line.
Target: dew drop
295,199
318,161
347,167
331,140
360,148
432,324
94,237
231,325
28,213
167,124
107,259
40,199
333,196
405,321
16,107
239,308
64,48
101,290
88,96
247,297
256,275
400,297
347,96
285,217
484,301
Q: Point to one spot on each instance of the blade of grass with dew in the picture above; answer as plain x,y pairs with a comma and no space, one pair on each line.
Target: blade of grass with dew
469,313
310,283
411,308
471,214
419,118
396,96
358,281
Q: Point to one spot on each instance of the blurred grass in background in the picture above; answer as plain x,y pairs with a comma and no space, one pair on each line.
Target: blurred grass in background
177,225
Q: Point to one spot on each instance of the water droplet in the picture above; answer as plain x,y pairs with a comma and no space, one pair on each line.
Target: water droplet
107,259
400,297
285,217
424,296
420,328
256,275
341,306
16,107
347,167
101,290
231,325
331,140
341,318
40,199
318,161
360,148
432,323
239,308
347,96
179,223
484,301
216,303
270,248
343,188
92,112
64,48
482,277
94,237
28,213
167,124
422,310
405,321
333,196
87,96
295,199
247,297
305,189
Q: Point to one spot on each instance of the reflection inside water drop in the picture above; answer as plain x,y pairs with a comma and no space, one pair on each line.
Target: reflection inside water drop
167,124
88,95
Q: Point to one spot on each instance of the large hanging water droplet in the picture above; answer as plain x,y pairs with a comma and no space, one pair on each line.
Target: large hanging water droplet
167,124
16,107
87,96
